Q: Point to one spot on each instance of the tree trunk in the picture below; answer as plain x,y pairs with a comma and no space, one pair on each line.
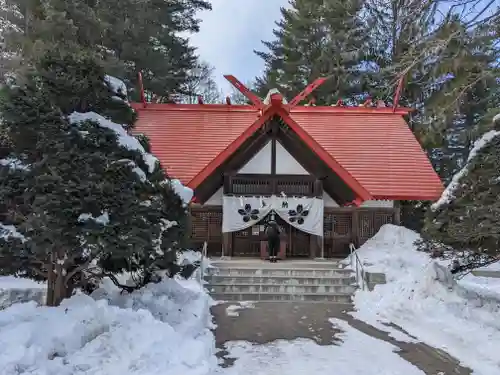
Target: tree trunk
56,288
50,281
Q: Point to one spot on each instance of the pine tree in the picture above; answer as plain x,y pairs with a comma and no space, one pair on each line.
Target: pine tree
465,223
317,38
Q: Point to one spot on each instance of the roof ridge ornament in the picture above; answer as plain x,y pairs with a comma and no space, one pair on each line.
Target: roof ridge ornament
267,99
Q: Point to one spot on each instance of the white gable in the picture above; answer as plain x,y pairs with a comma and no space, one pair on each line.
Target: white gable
286,163
216,199
260,162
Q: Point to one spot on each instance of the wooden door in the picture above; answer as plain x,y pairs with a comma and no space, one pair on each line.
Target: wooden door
297,242
246,243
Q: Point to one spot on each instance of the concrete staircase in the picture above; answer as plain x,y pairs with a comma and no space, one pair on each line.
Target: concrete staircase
256,280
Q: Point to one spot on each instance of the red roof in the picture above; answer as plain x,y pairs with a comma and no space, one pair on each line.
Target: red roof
372,149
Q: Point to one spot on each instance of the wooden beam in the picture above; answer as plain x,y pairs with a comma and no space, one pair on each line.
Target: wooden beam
307,91
397,94
245,91
273,155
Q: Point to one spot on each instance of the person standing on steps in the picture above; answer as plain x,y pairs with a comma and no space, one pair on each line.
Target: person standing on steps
273,232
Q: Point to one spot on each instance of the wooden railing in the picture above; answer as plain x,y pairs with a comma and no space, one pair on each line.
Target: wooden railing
254,184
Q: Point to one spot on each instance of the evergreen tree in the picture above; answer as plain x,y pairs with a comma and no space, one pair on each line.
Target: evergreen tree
317,38
81,198
465,222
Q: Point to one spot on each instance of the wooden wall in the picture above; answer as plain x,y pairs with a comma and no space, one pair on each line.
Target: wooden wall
342,226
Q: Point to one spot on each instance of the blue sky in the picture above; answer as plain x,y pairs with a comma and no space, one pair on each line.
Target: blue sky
231,31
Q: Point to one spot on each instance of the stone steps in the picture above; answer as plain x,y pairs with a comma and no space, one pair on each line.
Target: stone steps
279,272
275,297
283,289
282,280
285,281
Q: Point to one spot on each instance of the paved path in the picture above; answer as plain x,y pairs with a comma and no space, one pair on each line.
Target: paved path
270,321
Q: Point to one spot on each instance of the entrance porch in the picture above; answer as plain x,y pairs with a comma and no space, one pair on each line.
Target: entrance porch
341,226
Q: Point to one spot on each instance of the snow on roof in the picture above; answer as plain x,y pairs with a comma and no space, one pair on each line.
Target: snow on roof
449,193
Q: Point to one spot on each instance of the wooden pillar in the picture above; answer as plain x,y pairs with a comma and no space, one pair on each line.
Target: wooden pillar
316,245
355,227
316,242
313,251
227,244
227,183
318,188
397,213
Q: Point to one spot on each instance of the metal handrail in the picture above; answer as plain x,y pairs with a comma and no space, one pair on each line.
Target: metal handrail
202,262
358,266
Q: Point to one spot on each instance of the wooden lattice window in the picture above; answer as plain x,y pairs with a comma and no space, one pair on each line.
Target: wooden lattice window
249,186
206,225
337,224
297,187
370,222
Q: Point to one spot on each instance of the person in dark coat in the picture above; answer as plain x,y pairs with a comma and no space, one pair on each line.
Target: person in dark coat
273,232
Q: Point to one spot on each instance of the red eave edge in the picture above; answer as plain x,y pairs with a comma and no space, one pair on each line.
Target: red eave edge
400,111
150,107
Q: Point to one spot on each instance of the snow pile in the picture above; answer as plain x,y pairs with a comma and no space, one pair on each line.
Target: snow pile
442,314
162,329
483,287
17,290
449,193
188,257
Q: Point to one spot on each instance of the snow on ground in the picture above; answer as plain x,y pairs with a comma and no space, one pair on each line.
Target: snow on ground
161,329
356,354
444,315
233,310
16,290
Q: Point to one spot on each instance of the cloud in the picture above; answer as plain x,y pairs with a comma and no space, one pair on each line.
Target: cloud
232,31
